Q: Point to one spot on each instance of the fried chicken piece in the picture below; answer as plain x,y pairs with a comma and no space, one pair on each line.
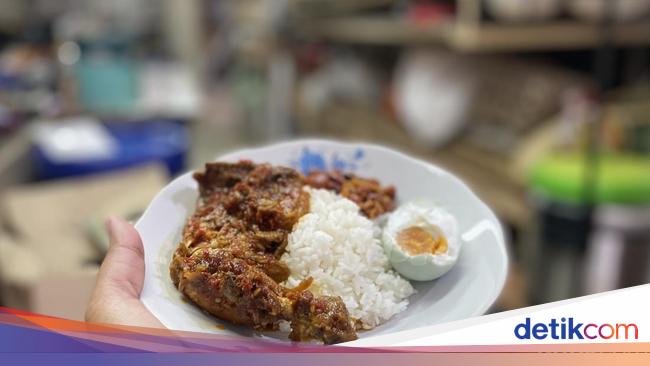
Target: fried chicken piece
324,317
234,290
228,259
248,208
373,199
211,227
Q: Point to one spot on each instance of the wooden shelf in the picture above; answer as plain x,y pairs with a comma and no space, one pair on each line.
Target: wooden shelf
333,7
543,37
372,30
474,37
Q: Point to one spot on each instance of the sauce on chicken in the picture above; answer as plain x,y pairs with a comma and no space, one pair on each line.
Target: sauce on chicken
228,260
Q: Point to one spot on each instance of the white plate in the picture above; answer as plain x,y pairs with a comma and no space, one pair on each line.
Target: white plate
469,289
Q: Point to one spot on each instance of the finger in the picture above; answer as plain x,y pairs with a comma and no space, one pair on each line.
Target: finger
123,266
116,298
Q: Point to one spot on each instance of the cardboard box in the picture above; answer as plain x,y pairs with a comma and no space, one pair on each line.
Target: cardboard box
48,258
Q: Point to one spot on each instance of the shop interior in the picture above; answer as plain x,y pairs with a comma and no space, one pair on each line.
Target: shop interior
541,106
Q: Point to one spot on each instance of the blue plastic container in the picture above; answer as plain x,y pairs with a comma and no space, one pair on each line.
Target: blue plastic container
164,141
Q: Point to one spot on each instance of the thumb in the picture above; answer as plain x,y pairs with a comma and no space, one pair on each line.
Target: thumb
123,268
116,298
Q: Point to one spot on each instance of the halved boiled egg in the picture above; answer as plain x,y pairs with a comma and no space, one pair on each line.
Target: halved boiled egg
421,241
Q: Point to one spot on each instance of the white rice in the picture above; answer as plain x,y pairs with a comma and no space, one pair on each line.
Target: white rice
340,249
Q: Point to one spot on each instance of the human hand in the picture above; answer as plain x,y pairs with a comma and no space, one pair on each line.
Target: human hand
116,297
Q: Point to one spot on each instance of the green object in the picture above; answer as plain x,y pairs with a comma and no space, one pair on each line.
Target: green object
622,179
107,85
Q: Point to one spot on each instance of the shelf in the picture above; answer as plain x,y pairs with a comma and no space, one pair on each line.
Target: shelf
372,30
333,7
481,37
543,37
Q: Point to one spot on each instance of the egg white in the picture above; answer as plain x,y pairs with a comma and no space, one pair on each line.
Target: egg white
426,266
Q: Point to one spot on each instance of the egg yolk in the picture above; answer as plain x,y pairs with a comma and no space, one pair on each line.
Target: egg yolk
416,240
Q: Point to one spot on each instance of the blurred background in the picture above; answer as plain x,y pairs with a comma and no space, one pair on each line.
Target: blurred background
541,106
